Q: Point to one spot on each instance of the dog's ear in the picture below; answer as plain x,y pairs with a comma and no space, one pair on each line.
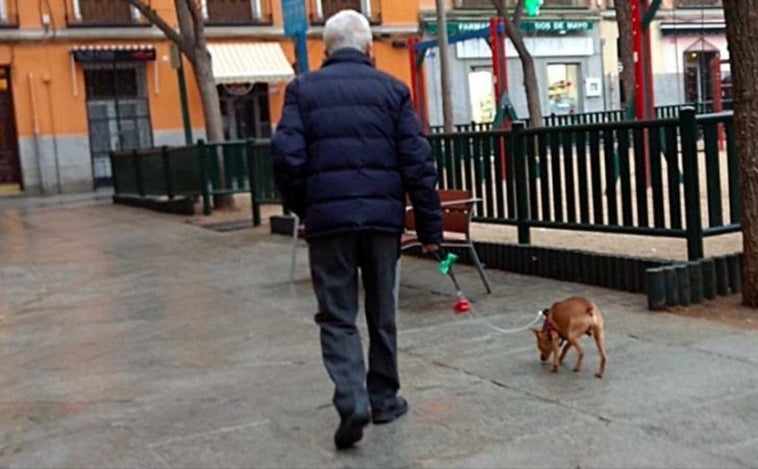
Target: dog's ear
537,332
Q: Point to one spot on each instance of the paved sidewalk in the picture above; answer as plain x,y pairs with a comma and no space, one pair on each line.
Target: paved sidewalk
131,339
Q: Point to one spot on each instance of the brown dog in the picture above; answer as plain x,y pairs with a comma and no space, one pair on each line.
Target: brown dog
568,321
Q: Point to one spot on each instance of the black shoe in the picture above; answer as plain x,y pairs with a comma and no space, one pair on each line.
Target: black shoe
350,430
397,409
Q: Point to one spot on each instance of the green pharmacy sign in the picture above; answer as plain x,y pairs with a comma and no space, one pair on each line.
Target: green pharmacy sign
553,27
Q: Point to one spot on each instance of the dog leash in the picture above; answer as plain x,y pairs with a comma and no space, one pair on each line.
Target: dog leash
463,305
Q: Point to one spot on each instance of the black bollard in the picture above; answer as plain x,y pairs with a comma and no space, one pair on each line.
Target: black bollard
735,273
672,287
656,288
696,282
709,278
722,276
683,283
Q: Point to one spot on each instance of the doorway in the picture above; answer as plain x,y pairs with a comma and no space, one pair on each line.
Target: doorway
118,112
481,95
699,73
245,111
10,164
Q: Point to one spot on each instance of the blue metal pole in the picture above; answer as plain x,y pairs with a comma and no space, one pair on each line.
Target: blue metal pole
302,52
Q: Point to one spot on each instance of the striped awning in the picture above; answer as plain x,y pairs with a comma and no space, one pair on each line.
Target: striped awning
113,53
250,62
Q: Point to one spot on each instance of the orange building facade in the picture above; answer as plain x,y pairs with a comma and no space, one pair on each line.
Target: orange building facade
81,78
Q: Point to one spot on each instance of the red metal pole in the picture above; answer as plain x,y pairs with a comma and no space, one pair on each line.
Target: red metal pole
650,91
639,77
497,44
412,41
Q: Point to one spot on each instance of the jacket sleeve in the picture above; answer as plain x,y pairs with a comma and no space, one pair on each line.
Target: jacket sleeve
419,173
289,153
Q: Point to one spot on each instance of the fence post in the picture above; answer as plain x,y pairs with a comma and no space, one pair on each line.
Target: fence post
521,177
694,228
202,156
115,173
138,172
167,172
250,154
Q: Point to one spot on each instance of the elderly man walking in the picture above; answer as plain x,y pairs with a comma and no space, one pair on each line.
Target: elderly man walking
346,151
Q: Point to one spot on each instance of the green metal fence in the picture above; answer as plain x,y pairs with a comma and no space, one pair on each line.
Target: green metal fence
616,115
634,177
196,170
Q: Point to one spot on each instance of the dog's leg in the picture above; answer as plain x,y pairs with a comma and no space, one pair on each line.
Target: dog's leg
556,358
600,342
579,352
566,347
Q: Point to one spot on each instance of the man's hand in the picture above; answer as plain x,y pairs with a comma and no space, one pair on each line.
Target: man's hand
429,248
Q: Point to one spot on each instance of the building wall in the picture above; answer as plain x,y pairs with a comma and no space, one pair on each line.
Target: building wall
50,97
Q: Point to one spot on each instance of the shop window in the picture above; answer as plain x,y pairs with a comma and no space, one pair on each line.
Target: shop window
481,95
563,88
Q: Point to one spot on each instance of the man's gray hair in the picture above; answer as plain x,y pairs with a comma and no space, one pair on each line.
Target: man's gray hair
347,29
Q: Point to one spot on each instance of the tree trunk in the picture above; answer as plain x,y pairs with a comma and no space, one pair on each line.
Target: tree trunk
447,102
742,36
214,130
530,78
531,86
626,50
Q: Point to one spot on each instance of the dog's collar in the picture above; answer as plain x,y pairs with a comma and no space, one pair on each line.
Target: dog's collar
548,328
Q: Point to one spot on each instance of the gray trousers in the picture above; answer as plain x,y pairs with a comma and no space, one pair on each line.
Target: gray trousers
335,263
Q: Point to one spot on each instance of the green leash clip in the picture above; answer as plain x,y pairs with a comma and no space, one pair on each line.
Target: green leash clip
446,263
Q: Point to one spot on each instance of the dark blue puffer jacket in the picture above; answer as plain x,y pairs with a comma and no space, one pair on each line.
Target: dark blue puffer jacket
349,147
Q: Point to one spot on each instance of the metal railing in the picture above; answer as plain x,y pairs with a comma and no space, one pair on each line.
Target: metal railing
196,170
632,177
616,115
103,13
547,4
238,12
673,177
321,10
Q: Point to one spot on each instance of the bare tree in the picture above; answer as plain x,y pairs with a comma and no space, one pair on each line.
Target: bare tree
447,104
626,50
527,62
191,40
742,36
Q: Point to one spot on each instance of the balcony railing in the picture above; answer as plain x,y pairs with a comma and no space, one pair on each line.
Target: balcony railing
547,4
8,14
102,13
237,12
321,10
699,3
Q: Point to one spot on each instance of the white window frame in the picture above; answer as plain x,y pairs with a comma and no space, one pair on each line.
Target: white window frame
136,15
77,10
3,12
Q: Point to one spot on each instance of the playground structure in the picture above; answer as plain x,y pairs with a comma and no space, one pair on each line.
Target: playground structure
495,34
640,105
